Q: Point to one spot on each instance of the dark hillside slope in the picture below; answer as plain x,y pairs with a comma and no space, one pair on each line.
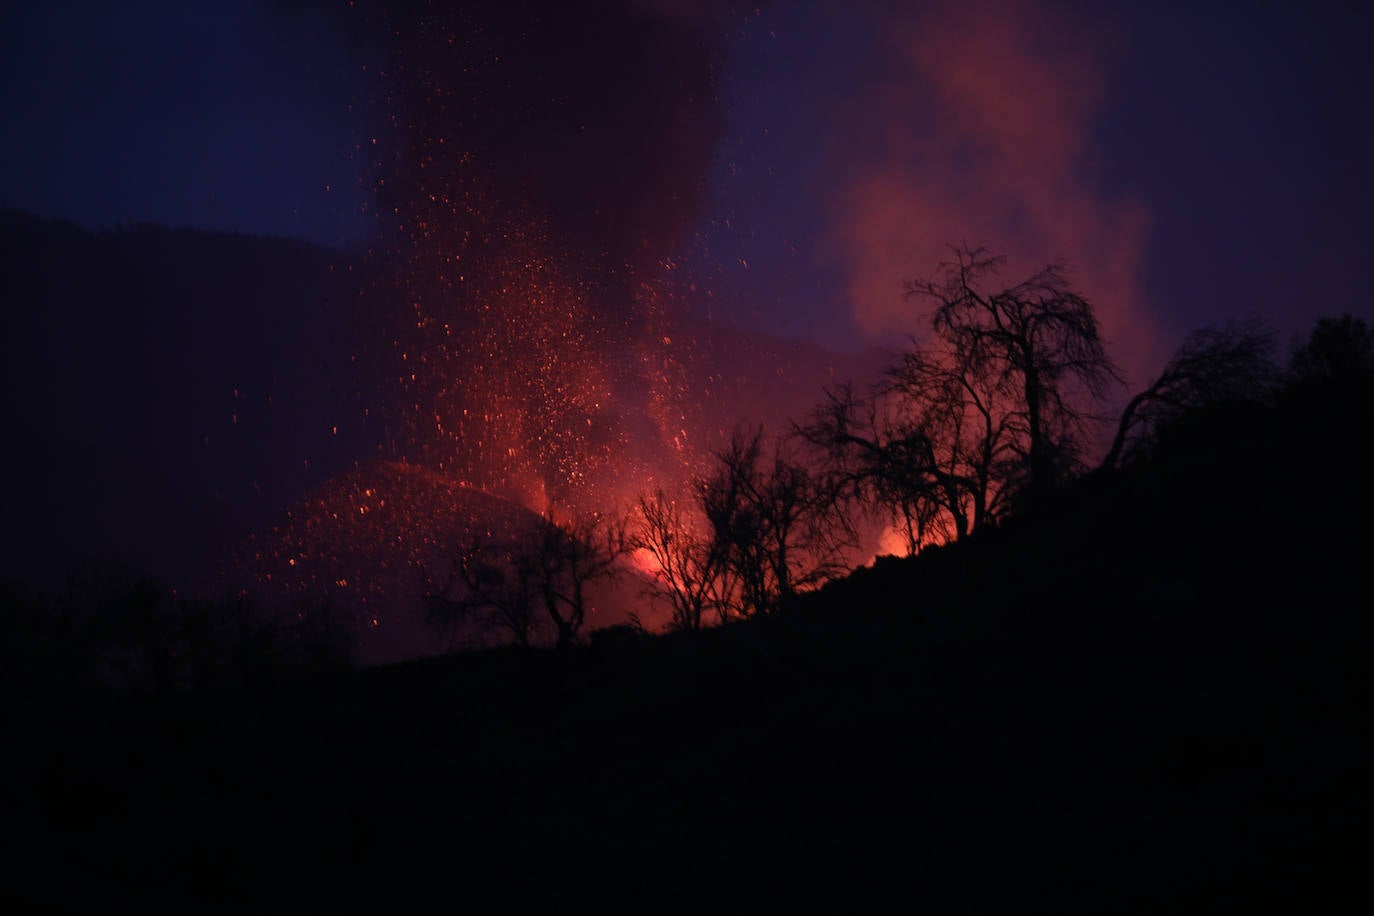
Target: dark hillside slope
1153,698
1189,640
166,391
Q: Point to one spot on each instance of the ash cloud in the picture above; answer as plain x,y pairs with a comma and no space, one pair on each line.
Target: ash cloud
598,117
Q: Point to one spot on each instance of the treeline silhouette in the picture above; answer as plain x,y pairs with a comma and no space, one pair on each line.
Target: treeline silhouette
995,419
944,447
107,633
1132,685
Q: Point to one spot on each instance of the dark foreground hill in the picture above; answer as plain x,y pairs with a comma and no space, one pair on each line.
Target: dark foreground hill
1149,697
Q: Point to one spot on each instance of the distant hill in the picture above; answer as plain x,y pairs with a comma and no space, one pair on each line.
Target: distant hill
171,391
128,355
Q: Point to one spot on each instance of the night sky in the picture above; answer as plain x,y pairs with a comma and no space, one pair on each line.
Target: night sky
1193,166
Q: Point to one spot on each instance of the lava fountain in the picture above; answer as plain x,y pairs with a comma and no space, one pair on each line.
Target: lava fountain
533,168
536,168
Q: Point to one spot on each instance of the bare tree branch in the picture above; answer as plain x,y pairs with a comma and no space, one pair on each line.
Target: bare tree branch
1213,365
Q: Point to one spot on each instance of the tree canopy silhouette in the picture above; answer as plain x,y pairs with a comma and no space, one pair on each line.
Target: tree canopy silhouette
994,408
1036,342
774,521
1212,367
692,569
535,581
1338,350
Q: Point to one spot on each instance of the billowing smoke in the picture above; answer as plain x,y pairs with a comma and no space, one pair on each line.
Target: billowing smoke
980,130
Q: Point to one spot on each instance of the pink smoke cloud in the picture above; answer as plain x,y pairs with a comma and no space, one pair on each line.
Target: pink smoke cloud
981,132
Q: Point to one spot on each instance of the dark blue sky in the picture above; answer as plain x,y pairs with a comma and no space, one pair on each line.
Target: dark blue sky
1202,165
226,116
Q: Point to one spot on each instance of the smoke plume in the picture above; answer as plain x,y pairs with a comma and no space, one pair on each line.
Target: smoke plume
980,131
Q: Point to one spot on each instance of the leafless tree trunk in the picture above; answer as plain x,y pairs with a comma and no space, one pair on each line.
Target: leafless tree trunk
1038,339
538,577
691,571
778,525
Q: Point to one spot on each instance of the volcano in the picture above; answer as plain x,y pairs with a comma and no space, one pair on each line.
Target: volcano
201,409
369,545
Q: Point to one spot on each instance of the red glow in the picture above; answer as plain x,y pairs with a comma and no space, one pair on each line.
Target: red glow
1003,157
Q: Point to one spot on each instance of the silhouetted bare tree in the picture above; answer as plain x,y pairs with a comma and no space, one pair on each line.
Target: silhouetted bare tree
486,593
1035,345
874,459
532,582
538,577
564,557
1213,366
996,404
934,444
778,525
692,571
